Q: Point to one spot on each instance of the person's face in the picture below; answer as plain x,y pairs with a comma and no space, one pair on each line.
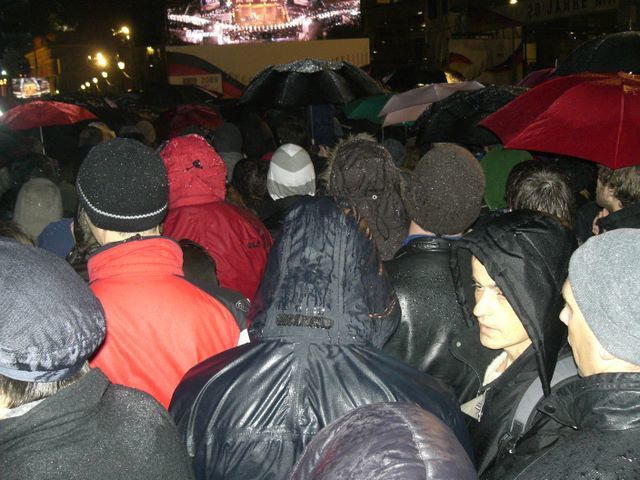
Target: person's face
584,345
500,327
604,196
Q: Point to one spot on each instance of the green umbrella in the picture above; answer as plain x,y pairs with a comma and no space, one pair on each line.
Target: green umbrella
367,108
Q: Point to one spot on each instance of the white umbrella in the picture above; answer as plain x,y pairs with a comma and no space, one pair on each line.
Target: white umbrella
409,105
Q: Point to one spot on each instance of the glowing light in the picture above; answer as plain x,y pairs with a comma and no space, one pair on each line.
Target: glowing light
121,65
101,60
150,51
83,86
4,72
87,84
104,74
513,2
94,80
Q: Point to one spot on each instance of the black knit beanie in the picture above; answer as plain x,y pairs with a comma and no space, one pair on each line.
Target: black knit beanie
445,190
123,186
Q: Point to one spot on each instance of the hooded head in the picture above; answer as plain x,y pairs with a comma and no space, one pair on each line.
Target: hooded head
363,171
324,281
385,441
527,256
38,204
196,172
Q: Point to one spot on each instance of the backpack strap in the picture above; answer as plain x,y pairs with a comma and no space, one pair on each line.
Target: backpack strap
526,409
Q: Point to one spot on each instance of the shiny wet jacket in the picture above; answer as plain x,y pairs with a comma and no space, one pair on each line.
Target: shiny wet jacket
322,313
385,441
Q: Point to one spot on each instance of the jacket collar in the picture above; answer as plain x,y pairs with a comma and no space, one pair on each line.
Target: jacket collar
425,243
143,256
628,217
608,401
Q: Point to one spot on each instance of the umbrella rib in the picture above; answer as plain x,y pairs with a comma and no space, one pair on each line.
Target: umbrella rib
620,126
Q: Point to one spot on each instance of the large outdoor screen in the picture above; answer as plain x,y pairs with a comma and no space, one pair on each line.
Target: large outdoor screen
222,22
29,87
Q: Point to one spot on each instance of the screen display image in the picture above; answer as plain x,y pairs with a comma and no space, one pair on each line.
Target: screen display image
223,22
29,87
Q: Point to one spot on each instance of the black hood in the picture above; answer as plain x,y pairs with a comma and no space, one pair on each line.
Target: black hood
385,441
324,281
527,255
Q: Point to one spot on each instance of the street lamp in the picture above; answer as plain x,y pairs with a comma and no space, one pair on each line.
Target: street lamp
94,80
101,60
121,65
104,74
87,84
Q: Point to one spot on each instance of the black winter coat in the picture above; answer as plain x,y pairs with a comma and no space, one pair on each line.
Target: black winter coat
322,313
385,441
628,217
527,255
431,315
594,433
93,429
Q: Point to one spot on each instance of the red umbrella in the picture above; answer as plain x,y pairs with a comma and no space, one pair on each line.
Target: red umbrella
175,121
41,113
591,116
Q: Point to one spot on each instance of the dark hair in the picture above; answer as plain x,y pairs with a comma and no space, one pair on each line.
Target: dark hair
90,136
539,185
625,183
85,243
292,129
10,229
199,267
15,393
250,180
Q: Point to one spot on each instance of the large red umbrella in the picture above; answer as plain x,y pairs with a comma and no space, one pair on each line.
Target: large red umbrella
175,121
591,116
41,113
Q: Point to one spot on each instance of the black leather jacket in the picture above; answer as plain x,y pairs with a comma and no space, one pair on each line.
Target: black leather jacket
431,315
589,429
318,322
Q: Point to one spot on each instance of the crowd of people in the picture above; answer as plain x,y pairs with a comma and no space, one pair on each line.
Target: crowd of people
240,304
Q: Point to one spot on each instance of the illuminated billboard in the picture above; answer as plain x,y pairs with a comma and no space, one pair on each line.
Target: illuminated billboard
223,22
29,87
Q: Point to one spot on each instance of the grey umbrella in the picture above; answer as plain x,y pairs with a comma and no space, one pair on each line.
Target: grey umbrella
309,82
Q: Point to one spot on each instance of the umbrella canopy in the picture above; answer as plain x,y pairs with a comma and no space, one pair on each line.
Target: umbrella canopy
590,116
618,52
309,82
537,77
455,119
175,121
40,113
366,108
408,106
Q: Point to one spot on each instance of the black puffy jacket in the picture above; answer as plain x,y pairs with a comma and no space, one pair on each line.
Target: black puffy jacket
527,255
431,315
594,433
385,441
322,313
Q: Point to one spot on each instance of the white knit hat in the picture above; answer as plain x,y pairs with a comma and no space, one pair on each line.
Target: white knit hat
291,173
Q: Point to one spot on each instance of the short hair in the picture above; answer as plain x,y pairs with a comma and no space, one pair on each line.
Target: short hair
250,180
625,183
14,393
198,265
10,229
541,186
293,130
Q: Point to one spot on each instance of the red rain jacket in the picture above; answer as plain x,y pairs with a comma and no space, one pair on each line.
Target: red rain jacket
233,236
158,324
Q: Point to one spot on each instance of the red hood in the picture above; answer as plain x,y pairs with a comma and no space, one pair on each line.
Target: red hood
147,256
196,172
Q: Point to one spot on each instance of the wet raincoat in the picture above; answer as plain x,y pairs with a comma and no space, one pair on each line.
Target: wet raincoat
590,430
322,313
233,236
527,255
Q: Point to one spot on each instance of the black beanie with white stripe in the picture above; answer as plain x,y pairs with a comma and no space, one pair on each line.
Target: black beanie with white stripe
123,186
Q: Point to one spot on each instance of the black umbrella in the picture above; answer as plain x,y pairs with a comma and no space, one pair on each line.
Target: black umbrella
309,82
618,52
455,118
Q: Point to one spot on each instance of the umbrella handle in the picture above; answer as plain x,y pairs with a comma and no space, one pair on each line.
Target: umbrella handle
44,151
